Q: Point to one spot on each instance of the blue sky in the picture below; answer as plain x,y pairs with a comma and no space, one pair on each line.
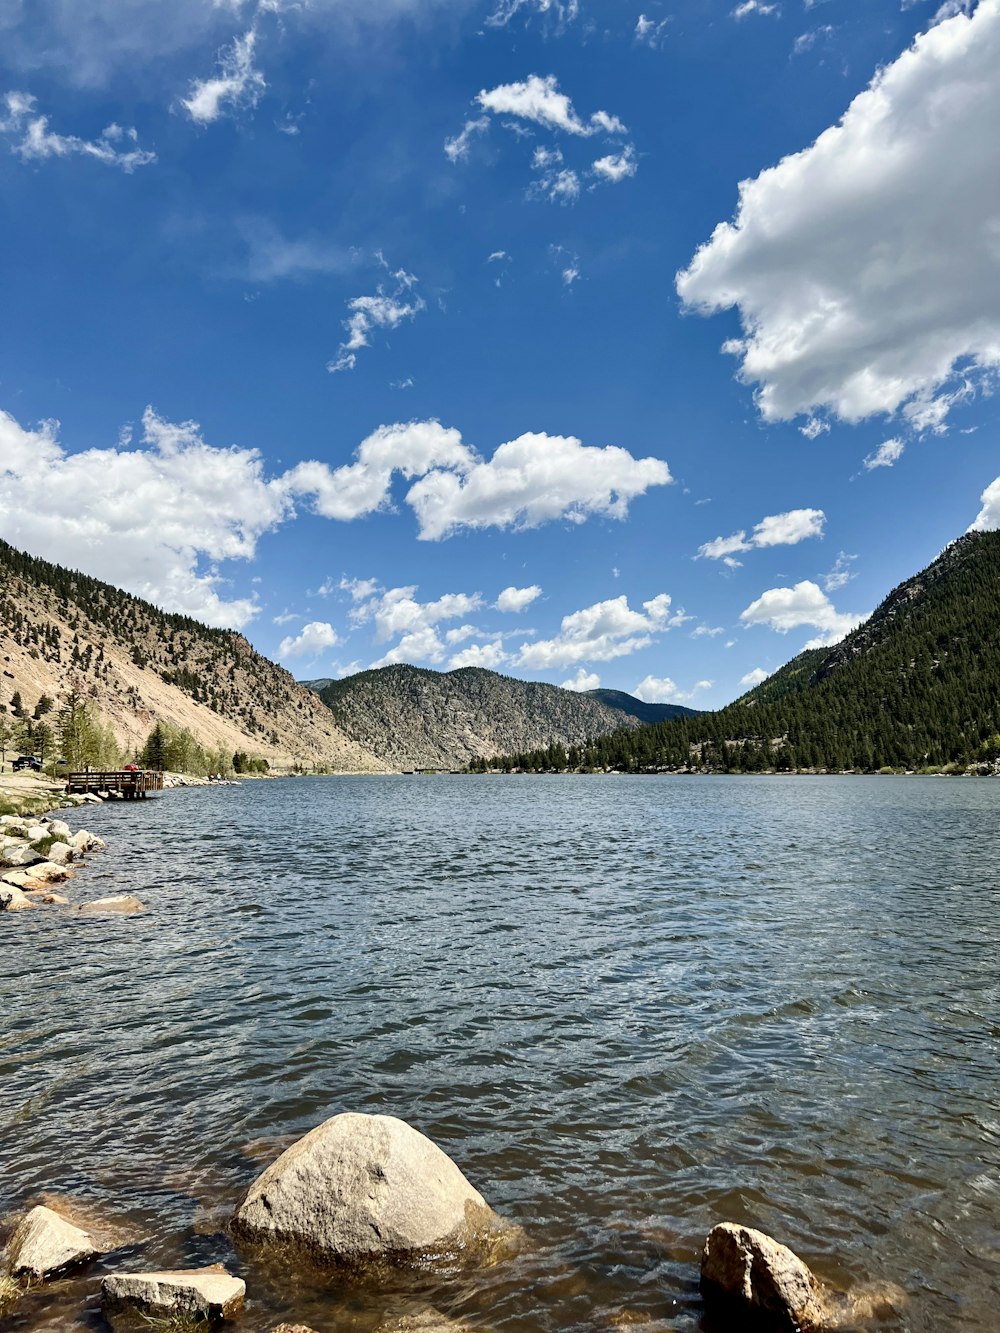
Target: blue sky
640,346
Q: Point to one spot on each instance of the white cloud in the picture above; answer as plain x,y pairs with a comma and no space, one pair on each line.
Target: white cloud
33,140
583,680
601,632
617,167
785,609
488,655
888,452
272,256
707,632
384,310
516,599
396,611
648,32
775,530
314,638
814,428
752,7
563,11
456,149
865,267
559,187
662,690
533,480
420,645
153,519
754,677
539,101
840,573
988,517
236,86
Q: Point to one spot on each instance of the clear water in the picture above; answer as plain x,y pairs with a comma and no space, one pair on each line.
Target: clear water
628,1008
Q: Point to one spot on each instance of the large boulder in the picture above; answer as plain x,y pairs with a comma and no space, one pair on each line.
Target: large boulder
44,1244
58,828
48,872
198,1293
18,853
61,853
750,1272
360,1189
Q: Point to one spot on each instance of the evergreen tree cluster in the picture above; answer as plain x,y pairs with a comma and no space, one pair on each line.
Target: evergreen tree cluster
917,687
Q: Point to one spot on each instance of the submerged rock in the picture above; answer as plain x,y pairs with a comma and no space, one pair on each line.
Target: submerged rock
751,1271
122,904
44,1244
292,1328
427,1320
365,1188
202,1293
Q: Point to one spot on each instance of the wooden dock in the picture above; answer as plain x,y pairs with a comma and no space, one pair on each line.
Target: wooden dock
128,784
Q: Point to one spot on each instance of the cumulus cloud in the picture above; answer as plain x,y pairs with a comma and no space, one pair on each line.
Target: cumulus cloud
153,519
583,680
314,638
32,140
775,530
516,599
533,480
488,655
988,517
662,690
865,267
888,452
237,85
539,101
601,632
754,677
785,609
396,611
384,310
456,149
616,167
840,573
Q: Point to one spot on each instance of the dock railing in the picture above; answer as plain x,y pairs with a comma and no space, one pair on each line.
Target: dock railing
129,783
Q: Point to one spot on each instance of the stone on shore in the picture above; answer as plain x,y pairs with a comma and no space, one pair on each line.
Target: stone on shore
48,872
13,899
122,904
361,1189
200,1293
752,1272
60,853
85,842
44,1244
36,832
17,854
58,828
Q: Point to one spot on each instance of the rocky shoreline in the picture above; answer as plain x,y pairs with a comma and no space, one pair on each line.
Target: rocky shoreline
366,1195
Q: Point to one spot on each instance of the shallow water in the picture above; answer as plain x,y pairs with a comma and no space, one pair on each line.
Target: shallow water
628,1008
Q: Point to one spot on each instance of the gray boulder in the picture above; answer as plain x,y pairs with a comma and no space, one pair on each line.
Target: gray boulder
58,828
365,1188
199,1293
60,853
36,832
751,1272
19,854
44,1244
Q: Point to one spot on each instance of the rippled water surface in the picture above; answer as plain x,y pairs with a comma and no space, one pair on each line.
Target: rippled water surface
628,1008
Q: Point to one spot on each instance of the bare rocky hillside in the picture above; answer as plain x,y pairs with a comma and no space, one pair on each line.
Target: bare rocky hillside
413,718
62,631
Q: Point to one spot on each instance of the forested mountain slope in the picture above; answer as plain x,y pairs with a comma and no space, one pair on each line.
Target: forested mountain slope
916,686
64,633
638,708
414,718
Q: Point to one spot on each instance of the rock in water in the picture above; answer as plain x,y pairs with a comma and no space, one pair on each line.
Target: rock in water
201,1293
12,899
750,1269
123,904
427,1320
44,1244
366,1188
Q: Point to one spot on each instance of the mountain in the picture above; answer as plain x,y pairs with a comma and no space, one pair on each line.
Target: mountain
414,718
63,632
317,685
917,686
645,712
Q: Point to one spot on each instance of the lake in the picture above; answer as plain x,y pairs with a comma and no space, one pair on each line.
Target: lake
627,1007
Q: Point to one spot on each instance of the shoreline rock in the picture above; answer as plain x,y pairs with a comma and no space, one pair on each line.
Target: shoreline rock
201,1293
369,1189
44,1244
749,1271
